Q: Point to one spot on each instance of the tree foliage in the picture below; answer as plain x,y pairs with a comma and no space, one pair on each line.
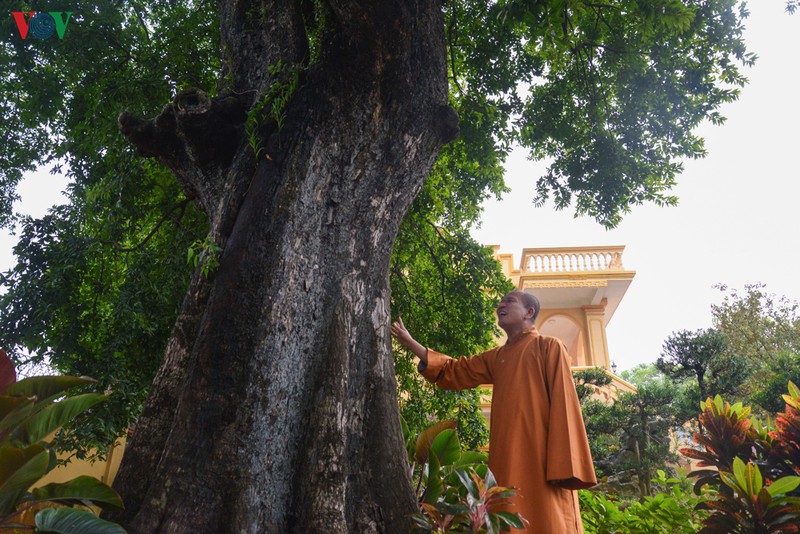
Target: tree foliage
701,357
785,367
98,281
757,325
630,438
761,332
436,287
611,91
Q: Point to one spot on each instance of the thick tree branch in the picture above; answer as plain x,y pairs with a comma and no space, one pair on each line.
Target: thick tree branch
196,137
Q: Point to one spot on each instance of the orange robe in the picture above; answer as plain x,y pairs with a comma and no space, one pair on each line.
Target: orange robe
537,435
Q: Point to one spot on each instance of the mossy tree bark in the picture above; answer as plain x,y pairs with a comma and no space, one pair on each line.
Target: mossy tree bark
275,409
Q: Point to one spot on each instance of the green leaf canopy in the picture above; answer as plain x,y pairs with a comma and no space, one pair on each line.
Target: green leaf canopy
609,92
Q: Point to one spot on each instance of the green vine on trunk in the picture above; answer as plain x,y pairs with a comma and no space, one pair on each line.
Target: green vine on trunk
204,252
271,106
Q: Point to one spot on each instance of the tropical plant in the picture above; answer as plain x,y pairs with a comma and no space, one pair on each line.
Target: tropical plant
752,507
755,467
456,490
782,444
725,435
31,410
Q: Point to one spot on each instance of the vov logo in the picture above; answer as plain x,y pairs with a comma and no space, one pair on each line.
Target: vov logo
42,25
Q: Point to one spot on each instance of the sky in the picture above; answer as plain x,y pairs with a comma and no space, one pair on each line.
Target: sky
736,223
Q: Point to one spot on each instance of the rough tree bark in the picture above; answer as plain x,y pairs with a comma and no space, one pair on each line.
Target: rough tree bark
275,409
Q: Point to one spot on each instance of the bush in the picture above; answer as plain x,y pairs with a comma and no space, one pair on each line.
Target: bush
456,490
755,467
674,511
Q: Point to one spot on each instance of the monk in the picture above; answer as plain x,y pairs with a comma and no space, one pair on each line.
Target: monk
537,439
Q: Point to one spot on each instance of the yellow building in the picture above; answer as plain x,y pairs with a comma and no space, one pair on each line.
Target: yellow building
579,289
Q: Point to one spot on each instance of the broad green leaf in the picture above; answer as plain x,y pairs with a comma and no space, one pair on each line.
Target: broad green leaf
19,469
446,447
427,436
18,466
434,485
489,479
82,488
783,485
54,416
467,482
793,398
481,470
45,387
74,521
748,477
13,410
755,479
472,457
739,473
730,480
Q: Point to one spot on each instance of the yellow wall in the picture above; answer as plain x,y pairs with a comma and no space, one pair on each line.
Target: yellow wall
104,471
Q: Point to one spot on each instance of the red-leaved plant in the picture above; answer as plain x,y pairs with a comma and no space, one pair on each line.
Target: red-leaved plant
483,508
737,450
725,435
784,453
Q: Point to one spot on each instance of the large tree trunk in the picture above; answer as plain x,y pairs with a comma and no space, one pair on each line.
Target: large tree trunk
276,409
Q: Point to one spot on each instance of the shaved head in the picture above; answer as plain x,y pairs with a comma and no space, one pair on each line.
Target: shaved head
529,301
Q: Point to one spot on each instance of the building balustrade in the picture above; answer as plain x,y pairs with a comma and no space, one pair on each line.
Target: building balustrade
572,259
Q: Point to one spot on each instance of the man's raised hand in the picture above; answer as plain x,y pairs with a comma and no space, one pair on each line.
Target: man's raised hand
403,337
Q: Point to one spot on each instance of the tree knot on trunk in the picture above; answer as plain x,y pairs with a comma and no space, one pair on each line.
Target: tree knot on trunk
446,123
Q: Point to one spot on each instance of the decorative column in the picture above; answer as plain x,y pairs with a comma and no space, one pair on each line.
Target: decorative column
596,334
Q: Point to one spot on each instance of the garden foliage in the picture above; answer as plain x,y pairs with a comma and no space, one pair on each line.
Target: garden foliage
455,489
629,438
755,467
30,411
671,511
